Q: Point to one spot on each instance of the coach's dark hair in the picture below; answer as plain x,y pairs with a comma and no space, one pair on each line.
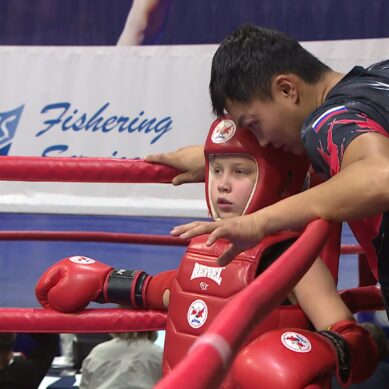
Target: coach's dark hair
247,60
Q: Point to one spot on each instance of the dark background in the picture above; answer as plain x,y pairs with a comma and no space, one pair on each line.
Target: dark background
99,22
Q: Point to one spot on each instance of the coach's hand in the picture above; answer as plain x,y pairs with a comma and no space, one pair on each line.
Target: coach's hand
190,160
243,232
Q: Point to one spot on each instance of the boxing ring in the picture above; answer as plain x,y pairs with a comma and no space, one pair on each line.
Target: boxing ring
217,346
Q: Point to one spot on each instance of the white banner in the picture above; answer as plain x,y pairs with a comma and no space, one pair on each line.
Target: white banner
118,102
103,102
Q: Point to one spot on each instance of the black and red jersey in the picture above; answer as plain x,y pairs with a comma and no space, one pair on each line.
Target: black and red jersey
358,104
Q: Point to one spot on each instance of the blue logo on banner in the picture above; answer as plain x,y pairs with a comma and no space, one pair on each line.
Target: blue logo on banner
63,117
8,123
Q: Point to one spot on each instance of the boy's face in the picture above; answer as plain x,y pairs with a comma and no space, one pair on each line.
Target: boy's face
276,122
232,183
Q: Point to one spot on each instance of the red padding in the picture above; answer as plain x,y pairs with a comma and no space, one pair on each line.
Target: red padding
206,363
84,170
86,321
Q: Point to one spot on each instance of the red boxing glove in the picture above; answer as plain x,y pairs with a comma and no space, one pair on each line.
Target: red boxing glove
295,358
72,283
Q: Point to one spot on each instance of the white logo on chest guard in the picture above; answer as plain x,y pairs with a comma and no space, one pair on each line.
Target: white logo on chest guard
224,131
203,271
296,342
80,260
197,314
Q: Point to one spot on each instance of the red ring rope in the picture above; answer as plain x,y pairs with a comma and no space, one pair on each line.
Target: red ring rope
346,249
61,169
83,170
93,236
86,321
116,237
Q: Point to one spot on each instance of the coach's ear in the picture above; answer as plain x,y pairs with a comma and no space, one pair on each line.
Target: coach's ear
286,86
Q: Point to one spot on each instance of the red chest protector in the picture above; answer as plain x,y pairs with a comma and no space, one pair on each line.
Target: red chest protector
201,289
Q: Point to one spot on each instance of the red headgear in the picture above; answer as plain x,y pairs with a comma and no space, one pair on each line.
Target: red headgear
281,174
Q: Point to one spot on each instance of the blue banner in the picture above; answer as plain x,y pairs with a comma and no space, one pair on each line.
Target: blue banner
100,22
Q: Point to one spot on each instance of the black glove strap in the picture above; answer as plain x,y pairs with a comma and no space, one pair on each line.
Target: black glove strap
125,287
342,351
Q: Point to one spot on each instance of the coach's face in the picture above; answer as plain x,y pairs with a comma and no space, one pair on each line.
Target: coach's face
277,122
